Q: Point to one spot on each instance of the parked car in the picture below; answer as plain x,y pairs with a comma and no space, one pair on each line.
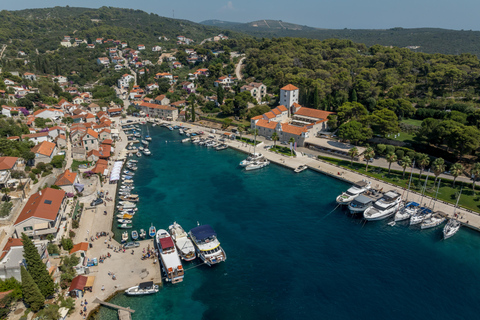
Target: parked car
96,202
131,245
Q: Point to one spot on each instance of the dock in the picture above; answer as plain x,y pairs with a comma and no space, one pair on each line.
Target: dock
123,313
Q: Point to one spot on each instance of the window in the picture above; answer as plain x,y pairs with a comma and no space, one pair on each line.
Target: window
27,228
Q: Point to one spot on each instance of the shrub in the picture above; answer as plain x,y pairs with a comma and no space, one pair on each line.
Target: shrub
36,171
400,154
28,168
41,166
390,149
16,174
71,234
46,173
75,224
53,248
67,243
381,148
411,154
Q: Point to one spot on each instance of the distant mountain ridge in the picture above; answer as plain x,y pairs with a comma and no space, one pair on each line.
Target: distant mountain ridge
428,40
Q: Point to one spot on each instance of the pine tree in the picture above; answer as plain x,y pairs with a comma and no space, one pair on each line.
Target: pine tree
220,95
316,98
31,293
193,112
354,95
37,268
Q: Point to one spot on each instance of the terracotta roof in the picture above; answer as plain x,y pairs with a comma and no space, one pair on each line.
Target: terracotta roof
100,166
265,124
89,116
276,111
257,117
293,129
114,110
66,179
82,246
289,87
35,135
160,97
78,283
13,138
269,114
44,204
313,113
296,105
282,108
56,128
107,141
92,133
11,242
156,106
94,152
45,148
7,163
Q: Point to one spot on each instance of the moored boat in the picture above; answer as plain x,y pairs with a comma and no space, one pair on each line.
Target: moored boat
184,245
124,236
301,168
152,231
169,259
134,235
143,288
451,228
434,221
124,226
407,211
143,234
257,165
354,191
385,207
251,158
360,204
422,214
207,245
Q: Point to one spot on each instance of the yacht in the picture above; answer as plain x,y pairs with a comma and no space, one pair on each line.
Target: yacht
251,158
434,221
360,204
421,215
171,264
301,168
354,191
406,212
142,289
184,244
207,245
383,208
452,227
257,165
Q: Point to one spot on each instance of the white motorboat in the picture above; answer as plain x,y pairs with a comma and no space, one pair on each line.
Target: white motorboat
140,148
145,143
142,289
360,204
143,234
185,140
251,158
207,245
180,131
133,161
385,207
171,264
452,227
354,191
257,165
147,152
221,147
434,221
124,221
195,140
184,244
301,168
125,236
138,154
407,211
422,214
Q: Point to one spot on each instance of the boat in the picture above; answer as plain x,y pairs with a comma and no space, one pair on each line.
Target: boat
170,128
221,147
180,132
141,148
147,152
301,168
133,161
124,226
360,204
131,197
451,228
407,211
383,208
148,138
124,236
138,154
145,143
143,234
143,288
185,140
134,235
422,214
251,158
124,221
152,231
124,216
257,165
184,244
354,191
434,221
169,259
207,245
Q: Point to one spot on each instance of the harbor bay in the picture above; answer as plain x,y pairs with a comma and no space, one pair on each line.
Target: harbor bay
291,252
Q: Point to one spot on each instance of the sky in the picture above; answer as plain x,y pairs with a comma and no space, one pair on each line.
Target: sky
331,14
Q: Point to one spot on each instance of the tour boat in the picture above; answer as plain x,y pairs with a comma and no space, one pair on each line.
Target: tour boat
184,244
134,235
421,215
143,234
124,226
142,289
406,212
434,221
360,204
152,231
383,208
354,191
207,245
257,165
301,168
251,158
124,236
452,227
170,261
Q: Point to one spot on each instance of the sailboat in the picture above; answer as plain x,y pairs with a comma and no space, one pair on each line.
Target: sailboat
424,212
437,218
252,157
453,225
147,137
411,207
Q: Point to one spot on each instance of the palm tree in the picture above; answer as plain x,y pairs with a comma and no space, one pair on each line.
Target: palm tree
475,172
291,141
406,162
438,167
368,154
275,138
423,161
456,170
352,154
391,158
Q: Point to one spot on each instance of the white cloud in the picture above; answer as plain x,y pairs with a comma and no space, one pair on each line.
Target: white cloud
228,7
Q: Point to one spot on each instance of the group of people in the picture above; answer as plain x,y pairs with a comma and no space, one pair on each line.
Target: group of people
149,253
83,308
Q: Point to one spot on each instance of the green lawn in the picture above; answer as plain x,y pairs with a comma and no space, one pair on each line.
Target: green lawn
412,122
404,137
246,140
283,150
447,193
76,164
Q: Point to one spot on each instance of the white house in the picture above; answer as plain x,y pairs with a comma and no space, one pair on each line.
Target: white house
141,47
8,82
289,96
30,76
225,81
11,258
124,81
103,61
156,48
7,110
60,79
52,114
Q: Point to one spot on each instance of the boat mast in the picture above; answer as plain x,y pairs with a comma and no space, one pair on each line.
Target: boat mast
255,138
424,188
410,181
458,199
436,194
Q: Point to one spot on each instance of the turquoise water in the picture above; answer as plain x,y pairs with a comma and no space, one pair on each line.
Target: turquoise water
288,255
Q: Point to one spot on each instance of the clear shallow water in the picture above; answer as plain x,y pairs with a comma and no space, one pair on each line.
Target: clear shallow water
287,257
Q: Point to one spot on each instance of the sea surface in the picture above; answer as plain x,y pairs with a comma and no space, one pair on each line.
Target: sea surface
290,253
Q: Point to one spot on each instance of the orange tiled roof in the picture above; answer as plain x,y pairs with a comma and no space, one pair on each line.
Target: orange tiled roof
265,124
100,166
45,148
92,133
293,129
44,204
269,115
82,246
7,163
313,113
257,117
65,179
156,106
282,108
289,87
34,135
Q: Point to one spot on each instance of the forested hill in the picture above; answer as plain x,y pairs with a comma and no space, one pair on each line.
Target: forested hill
429,40
45,28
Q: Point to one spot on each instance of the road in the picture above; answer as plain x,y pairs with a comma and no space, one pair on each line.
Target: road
238,69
